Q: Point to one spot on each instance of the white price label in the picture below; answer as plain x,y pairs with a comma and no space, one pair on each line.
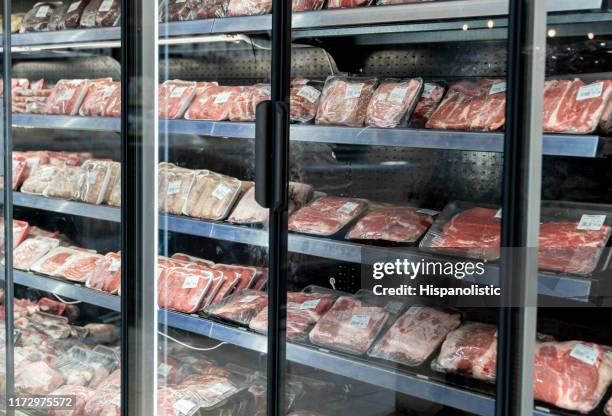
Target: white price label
398,94
498,214
310,304
47,172
222,97
114,266
178,92
164,369
183,406
42,11
311,94
348,207
353,90
428,90
394,306
92,177
217,390
191,281
108,91
74,6
430,212
497,88
585,353
587,92
248,299
591,222
360,321
179,1
221,191
413,310
67,94
265,89
173,187
105,6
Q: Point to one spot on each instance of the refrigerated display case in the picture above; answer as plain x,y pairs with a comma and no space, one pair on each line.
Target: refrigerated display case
204,189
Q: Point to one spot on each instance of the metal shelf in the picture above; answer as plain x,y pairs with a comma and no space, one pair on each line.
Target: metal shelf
554,144
62,206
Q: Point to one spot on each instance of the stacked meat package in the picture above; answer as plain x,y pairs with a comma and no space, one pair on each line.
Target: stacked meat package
393,102
326,215
345,101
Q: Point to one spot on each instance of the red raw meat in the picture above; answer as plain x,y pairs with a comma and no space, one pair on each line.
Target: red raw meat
191,259
415,335
479,105
248,7
38,18
207,9
175,11
37,378
174,98
474,233
244,106
78,268
345,101
212,103
106,276
304,101
67,96
81,397
99,98
183,289
18,169
306,5
469,350
64,158
392,101
53,260
608,407
427,104
346,4
564,248
240,307
101,13
51,306
245,275
399,224
106,402
21,229
605,124
572,375
114,103
326,215
350,325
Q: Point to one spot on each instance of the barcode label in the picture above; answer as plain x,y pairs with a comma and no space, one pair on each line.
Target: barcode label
590,91
360,321
221,191
173,187
42,11
184,406
106,5
311,94
217,389
177,92
497,88
398,94
191,281
74,6
353,90
585,353
222,97
310,304
591,222
348,207
428,90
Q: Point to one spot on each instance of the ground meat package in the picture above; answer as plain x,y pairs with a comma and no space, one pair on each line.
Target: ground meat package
174,186
37,378
244,106
183,289
92,181
392,102
347,4
81,395
39,179
212,103
212,196
106,275
174,98
304,100
248,7
31,250
430,98
400,224
98,97
67,96
79,267
101,13
415,335
306,5
326,215
240,307
345,101
62,182
37,19
53,260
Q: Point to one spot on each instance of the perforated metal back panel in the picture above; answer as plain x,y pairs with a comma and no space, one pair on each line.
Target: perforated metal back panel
76,68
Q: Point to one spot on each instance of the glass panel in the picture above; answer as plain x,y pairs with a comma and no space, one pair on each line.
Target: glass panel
5,303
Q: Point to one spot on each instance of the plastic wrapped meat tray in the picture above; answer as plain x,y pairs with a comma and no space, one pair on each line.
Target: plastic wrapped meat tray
18,169
174,186
37,378
392,102
92,181
106,275
53,260
38,18
174,98
465,230
326,215
106,402
175,11
31,250
183,289
39,179
306,5
430,99
207,9
79,267
114,180
403,224
345,101
101,13
62,182
248,7
245,276
73,14
212,103
347,4
212,196
415,335
240,307
304,100
57,17
244,106
67,96
98,97
21,229
81,395
114,103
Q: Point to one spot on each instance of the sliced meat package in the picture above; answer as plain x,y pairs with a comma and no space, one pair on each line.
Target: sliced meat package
38,18
183,289
67,96
31,250
572,375
18,168
101,13
306,5
401,224
98,97
113,182
248,7
106,275
62,182
51,306
217,394
304,101
212,103
393,102
174,186
174,98
114,198
240,307
81,395
345,101
207,9
53,260
430,99
21,229
65,158
470,350
351,325
326,215
245,275
605,124
106,402
347,4
37,378
175,11
415,335
79,267
244,106
39,179
223,285
191,259
73,14
114,103
212,196
471,105
92,181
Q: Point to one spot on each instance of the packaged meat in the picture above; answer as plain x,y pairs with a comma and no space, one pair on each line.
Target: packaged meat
106,402
575,106
16,21
51,306
33,159
21,229
174,402
401,224
222,285
62,182
430,99
92,181
605,124
183,289
572,375
244,106
56,20
31,250
101,13
64,158
174,186
174,98
470,350
113,182
326,215
192,259
81,396
345,101
473,232
36,378
212,196
415,335
106,275
304,100
240,307
98,97
175,11
53,260
347,4
39,179
393,102
471,105
218,394
306,5
114,102
37,19
208,9
245,276
18,168
67,96
73,14
212,103
79,267
248,7
102,333
114,198
350,326
83,367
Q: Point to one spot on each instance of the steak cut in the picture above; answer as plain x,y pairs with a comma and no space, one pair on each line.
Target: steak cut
304,101
470,350
326,215
399,224
350,326
96,99
38,18
106,275
67,96
306,5
81,395
53,260
430,99
248,7
415,335
345,101
174,98
183,289
572,375
79,267
32,249
471,105
392,102
106,402
213,103
240,307
244,106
